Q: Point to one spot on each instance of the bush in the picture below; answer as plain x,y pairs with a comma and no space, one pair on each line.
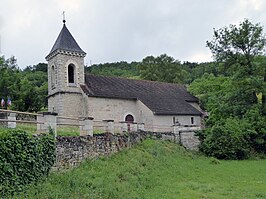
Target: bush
258,122
227,140
24,159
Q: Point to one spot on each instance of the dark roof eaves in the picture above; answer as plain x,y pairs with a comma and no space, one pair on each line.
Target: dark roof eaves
63,51
174,113
112,97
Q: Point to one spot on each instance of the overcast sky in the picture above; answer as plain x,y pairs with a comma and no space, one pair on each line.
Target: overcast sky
120,30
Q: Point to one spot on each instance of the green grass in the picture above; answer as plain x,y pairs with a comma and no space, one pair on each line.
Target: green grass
68,130
156,169
30,128
61,129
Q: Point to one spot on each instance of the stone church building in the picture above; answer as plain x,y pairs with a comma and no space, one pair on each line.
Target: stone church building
73,93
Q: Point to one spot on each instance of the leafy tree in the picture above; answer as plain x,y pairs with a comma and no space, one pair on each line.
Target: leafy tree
162,68
237,48
214,93
197,70
27,89
39,67
236,124
9,81
118,69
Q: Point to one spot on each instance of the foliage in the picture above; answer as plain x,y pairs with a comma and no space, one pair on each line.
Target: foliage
238,44
27,89
120,69
197,70
227,140
215,94
39,67
211,90
236,123
156,169
237,47
162,68
24,159
257,139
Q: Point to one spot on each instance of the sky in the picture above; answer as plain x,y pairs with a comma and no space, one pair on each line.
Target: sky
120,30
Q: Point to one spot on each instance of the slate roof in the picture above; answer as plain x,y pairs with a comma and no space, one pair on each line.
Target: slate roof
160,98
65,41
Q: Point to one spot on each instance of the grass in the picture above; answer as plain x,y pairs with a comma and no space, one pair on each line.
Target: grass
61,129
156,169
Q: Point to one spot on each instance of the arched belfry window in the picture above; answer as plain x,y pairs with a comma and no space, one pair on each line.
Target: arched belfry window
71,73
53,77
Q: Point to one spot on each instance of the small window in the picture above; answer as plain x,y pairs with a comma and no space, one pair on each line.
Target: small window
173,120
53,77
71,73
192,120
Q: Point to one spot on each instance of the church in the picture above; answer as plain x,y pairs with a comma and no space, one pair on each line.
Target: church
73,93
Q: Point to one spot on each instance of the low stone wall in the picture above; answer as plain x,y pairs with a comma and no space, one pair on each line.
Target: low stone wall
70,151
189,140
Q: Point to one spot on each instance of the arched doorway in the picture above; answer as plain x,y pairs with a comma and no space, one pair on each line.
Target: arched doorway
129,120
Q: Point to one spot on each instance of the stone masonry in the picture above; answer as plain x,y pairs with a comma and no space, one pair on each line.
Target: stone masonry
71,151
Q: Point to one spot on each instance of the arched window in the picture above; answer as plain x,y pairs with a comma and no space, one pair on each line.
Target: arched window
129,118
53,77
71,73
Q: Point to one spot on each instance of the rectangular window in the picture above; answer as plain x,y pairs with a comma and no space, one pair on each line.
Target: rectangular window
173,120
192,120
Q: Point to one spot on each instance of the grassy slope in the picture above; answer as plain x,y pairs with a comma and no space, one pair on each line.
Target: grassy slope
156,169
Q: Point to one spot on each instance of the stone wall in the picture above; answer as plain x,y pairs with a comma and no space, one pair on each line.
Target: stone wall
70,151
189,140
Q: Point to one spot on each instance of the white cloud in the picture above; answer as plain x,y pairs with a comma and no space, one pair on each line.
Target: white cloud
200,57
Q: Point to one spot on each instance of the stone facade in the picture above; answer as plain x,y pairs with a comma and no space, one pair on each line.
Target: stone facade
117,109
63,104
62,94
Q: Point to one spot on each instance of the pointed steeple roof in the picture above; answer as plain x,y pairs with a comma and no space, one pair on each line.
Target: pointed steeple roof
65,41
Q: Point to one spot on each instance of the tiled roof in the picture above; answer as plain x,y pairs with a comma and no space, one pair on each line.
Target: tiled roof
160,98
65,41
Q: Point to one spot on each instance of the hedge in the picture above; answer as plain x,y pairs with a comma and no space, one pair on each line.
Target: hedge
24,159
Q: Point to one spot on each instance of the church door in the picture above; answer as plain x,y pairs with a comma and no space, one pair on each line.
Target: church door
129,119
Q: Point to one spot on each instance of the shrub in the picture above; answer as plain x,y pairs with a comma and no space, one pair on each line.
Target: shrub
24,159
258,122
227,140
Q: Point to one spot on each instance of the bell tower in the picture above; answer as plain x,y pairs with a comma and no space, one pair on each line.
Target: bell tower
65,75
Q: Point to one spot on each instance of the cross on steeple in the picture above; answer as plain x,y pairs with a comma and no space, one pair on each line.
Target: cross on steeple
64,19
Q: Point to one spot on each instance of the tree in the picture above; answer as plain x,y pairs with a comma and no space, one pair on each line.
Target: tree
237,48
162,68
9,78
39,67
118,69
214,93
236,124
27,89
